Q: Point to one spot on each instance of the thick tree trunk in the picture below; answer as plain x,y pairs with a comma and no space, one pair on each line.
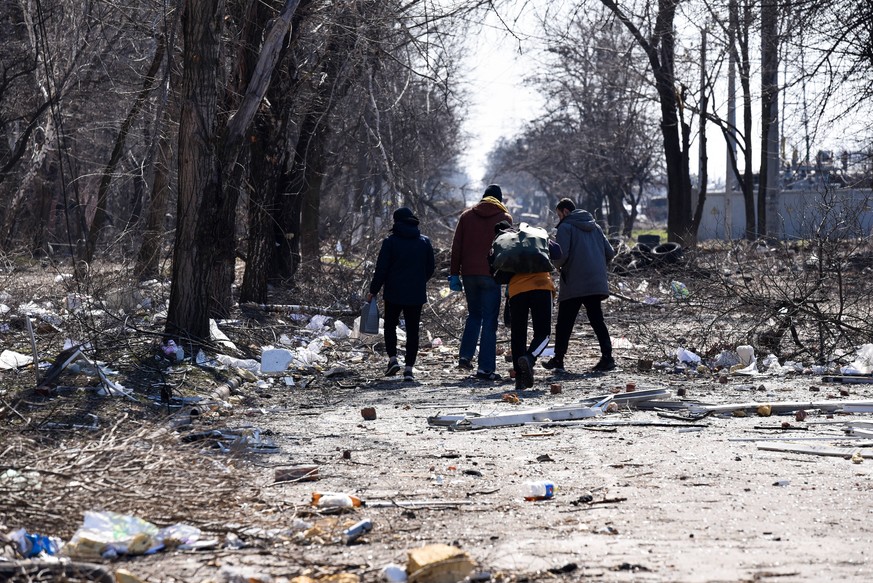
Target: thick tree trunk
205,245
286,225
199,173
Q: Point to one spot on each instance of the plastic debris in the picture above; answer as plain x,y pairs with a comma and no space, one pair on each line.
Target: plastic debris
687,356
10,360
34,545
394,573
275,359
680,292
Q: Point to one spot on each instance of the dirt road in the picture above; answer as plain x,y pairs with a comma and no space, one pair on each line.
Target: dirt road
670,501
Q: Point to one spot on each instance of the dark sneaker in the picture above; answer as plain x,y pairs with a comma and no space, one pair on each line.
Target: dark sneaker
407,375
524,371
393,368
556,363
519,383
604,365
487,376
465,363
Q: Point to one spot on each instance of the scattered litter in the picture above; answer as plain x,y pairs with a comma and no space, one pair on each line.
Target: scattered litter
248,364
173,351
275,359
863,363
108,534
219,337
76,361
394,573
34,545
296,474
687,356
438,563
354,532
815,449
746,354
341,330
318,322
538,490
248,440
335,500
680,291
337,371
10,360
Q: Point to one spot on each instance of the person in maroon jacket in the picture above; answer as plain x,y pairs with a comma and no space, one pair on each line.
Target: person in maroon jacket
470,273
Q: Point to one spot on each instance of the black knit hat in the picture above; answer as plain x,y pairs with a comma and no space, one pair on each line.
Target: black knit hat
404,215
493,190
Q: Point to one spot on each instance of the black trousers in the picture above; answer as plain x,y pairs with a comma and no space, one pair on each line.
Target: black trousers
567,312
536,304
412,315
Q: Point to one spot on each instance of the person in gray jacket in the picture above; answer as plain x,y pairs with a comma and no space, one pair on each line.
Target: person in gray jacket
585,255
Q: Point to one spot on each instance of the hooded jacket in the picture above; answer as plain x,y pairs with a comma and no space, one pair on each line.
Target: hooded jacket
585,255
404,265
474,234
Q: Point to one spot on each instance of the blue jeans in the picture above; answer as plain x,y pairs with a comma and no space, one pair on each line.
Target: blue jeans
483,306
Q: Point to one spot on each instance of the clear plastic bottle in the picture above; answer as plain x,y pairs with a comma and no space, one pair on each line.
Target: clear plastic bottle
539,490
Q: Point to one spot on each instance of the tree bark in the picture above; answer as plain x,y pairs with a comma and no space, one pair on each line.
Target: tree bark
768,184
148,259
200,179
205,251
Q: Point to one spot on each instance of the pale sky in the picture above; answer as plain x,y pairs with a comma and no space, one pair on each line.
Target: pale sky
499,102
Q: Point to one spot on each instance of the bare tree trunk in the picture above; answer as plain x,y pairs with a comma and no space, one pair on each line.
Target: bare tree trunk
745,83
268,248
660,52
703,164
768,186
286,226
148,259
310,241
200,180
204,251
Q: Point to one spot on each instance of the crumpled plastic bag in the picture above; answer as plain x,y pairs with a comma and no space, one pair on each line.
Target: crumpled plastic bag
863,363
318,322
340,330
106,534
726,359
687,356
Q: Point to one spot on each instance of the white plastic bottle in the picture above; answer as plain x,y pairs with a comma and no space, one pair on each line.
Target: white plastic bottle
539,490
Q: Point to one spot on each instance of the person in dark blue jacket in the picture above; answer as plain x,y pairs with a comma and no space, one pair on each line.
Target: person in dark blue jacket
405,264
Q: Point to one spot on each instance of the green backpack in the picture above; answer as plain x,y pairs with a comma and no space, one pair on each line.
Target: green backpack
523,251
